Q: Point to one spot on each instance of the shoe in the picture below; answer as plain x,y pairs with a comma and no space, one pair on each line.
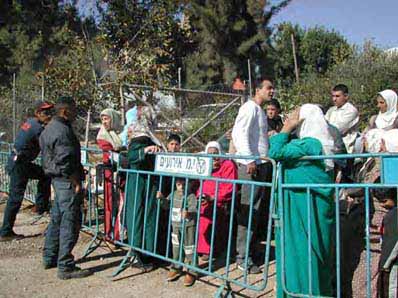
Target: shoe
49,265
189,280
253,269
74,272
11,236
173,274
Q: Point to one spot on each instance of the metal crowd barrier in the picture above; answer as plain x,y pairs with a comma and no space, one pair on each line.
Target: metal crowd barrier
220,266
388,176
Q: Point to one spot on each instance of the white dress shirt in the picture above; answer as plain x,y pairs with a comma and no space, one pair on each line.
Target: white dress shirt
249,133
346,119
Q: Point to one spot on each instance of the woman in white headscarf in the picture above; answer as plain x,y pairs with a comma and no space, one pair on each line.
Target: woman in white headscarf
314,125
297,210
225,169
109,141
388,116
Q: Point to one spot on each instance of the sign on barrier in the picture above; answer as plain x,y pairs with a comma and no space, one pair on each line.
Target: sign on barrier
189,165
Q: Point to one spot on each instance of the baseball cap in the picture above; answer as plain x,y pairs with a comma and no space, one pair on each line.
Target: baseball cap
41,105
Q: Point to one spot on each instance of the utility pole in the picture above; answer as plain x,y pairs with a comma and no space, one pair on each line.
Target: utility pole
250,77
295,57
14,108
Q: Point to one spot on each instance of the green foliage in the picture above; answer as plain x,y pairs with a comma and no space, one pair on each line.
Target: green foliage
227,33
367,72
317,50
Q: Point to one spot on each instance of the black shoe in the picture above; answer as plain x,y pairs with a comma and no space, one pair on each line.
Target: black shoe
253,269
74,272
49,265
10,237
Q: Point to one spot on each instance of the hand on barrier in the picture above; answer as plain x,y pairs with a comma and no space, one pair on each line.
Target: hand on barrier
251,168
151,149
159,195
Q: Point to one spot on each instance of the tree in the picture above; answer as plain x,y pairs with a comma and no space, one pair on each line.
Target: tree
144,40
318,50
226,34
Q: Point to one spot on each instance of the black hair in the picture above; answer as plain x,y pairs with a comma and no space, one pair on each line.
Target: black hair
274,102
259,83
341,87
174,137
64,102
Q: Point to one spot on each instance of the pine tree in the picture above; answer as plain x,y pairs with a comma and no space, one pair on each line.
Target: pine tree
227,33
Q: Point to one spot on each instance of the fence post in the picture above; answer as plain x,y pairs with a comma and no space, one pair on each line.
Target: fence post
14,109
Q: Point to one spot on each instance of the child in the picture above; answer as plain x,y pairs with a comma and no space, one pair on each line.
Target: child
184,215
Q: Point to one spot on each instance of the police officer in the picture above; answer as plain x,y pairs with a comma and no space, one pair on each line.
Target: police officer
61,161
21,168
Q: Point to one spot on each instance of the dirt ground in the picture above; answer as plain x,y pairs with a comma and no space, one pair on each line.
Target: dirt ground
22,275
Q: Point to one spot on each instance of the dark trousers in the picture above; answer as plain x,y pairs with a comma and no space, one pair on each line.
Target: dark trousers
259,193
63,230
20,173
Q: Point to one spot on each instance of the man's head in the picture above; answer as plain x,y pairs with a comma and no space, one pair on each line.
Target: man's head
273,108
340,95
264,91
66,108
173,143
43,111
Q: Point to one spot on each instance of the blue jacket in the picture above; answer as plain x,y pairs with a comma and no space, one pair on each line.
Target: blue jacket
26,145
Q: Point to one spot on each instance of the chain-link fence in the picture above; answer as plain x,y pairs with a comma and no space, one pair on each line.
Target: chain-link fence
198,116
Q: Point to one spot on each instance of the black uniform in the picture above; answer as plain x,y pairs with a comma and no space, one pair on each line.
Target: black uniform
61,160
21,168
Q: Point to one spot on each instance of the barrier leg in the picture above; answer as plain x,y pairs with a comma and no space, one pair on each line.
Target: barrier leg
130,259
224,291
92,246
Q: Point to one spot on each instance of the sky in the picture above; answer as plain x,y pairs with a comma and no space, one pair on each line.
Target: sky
357,20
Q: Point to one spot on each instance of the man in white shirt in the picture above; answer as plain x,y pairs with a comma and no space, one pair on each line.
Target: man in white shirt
250,137
344,116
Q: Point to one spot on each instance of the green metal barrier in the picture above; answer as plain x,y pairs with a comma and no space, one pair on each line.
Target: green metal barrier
340,248
227,259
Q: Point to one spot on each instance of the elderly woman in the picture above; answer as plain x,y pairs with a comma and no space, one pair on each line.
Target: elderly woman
222,168
313,139
109,141
141,190
388,116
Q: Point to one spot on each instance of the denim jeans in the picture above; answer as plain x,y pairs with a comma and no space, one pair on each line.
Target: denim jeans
63,230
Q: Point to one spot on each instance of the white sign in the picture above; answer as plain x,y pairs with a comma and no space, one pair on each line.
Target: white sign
189,165
83,157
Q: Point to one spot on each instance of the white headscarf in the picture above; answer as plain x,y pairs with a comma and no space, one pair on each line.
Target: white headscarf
391,140
213,144
315,126
384,120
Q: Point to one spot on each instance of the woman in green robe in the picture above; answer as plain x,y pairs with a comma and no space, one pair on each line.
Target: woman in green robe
294,207
141,200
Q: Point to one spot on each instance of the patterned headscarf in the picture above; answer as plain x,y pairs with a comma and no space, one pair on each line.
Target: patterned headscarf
111,135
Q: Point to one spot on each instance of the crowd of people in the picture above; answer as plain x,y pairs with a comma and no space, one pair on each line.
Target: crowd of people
257,134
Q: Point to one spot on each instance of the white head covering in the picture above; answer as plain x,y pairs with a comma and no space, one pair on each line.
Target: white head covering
213,144
386,119
315,126
391,140
111,135
373,140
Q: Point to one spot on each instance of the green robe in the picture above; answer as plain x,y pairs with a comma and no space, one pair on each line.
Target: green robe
293,210
136,197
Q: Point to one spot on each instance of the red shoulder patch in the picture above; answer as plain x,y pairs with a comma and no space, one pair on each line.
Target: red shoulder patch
26,126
